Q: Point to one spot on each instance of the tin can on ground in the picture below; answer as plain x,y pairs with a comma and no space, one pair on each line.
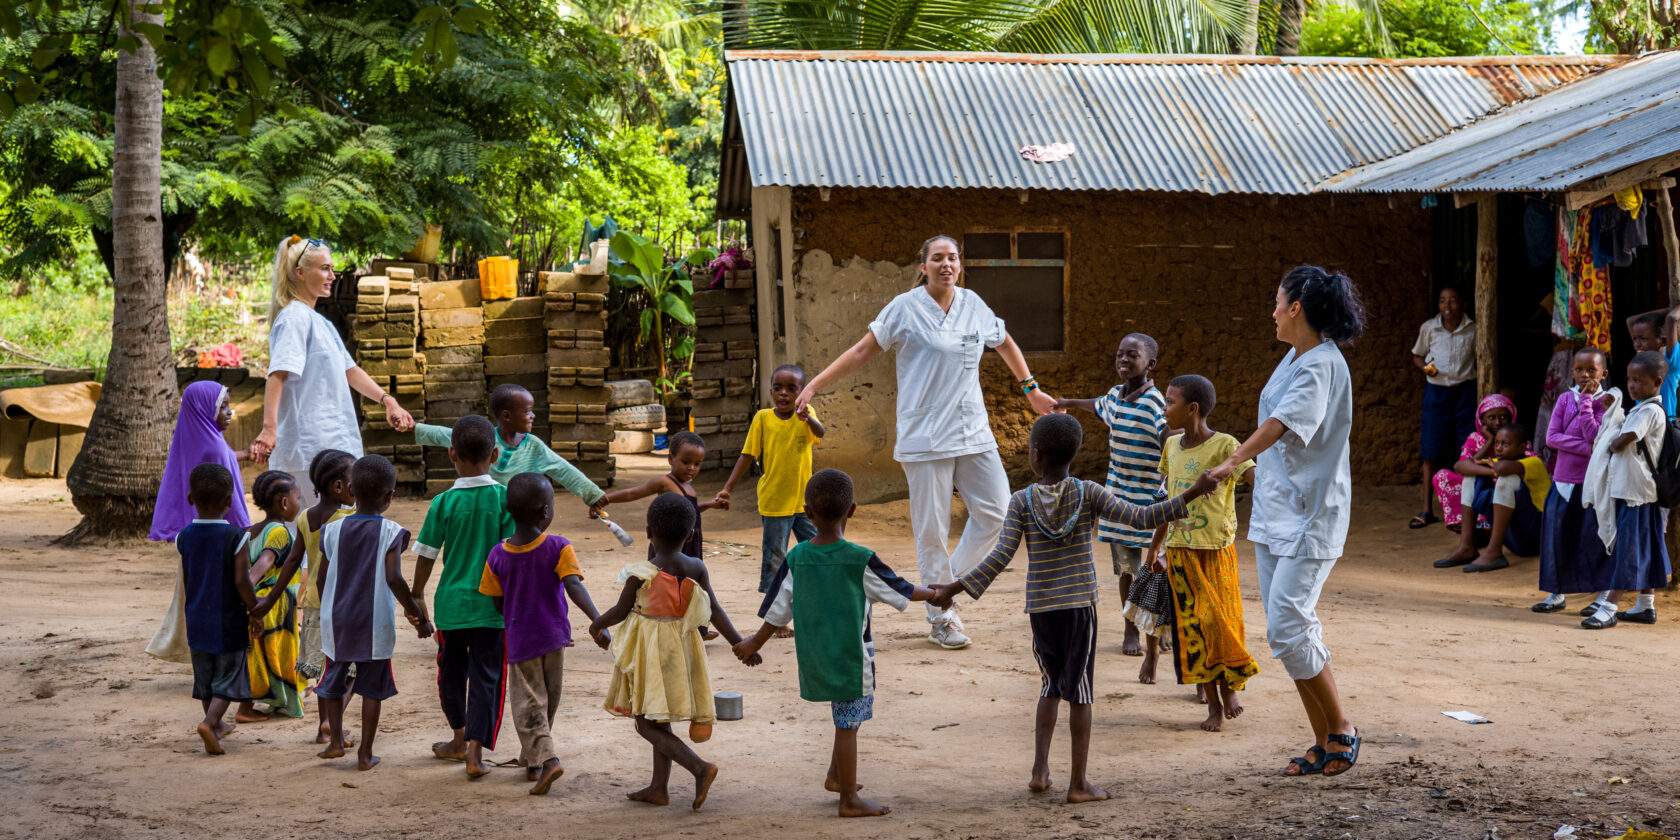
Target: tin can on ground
728,705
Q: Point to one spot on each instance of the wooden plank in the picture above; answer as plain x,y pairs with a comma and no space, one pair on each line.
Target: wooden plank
40,454
1671,243
1597,188
1465,199
1487,302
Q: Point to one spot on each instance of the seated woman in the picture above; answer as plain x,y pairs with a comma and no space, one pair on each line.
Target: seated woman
1511,498
1494,411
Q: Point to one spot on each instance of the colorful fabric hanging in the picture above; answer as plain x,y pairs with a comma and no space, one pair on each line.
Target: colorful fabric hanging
1566,311
1592,288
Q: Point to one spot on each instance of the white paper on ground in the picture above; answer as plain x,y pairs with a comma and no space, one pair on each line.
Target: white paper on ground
1466,717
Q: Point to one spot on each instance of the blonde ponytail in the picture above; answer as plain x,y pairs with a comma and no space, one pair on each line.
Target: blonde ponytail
287,257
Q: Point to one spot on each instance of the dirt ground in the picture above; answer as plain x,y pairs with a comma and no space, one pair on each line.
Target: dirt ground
99,740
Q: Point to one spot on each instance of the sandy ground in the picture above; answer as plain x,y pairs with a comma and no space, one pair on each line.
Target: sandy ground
98,738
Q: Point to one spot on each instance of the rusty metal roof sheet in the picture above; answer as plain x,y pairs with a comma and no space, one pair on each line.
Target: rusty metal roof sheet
1622,117
1196,123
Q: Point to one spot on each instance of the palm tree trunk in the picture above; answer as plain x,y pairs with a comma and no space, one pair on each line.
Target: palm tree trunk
1289,27
115,479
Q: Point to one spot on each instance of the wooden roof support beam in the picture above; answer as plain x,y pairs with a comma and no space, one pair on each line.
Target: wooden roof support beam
1466,199
1487,301
1671,243
1598,188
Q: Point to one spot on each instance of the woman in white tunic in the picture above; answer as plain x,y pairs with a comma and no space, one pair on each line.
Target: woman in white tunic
306,405
944,436
1302,494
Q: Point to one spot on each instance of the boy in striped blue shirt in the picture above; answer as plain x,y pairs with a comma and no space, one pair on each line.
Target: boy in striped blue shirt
1137,423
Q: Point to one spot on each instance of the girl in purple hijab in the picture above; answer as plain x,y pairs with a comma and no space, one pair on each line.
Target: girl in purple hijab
205,414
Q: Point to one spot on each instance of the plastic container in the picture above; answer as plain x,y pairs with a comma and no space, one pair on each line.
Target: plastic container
498,278
623,538
728,705
426,247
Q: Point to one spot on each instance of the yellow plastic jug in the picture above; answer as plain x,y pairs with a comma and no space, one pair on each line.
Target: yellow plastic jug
498,278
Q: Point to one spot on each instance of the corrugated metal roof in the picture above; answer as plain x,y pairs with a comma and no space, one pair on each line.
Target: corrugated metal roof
1622,117
1211,124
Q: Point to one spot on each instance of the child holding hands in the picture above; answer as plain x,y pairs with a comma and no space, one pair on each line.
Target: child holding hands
1055,517
781,439
838,582
529,576
220,606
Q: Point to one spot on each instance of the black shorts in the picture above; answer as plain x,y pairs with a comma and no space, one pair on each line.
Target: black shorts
221,675
1065,645
373,680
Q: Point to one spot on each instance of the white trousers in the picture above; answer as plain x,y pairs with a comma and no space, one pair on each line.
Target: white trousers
1504,491
985,490
1289,590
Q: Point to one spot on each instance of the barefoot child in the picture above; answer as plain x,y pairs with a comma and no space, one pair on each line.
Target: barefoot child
1055,516
1201,556
1571,554
838,582
274,677
462,525
529,576
361,585
218,601
1511,499
1137,425
781,439
1638,555
513,411
659,664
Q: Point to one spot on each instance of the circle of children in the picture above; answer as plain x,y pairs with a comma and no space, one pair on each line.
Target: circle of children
1592,492
311,594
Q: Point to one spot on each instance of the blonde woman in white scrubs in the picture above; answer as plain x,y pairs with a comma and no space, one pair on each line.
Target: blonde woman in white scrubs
944,437
1303,490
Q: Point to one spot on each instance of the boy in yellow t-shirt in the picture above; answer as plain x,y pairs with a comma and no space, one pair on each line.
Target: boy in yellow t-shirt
781,440
1201,555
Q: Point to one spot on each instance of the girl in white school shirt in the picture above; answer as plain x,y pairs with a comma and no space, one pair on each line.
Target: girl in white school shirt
944,436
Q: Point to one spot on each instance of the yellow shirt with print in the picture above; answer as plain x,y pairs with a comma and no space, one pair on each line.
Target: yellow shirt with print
1212,523
783,450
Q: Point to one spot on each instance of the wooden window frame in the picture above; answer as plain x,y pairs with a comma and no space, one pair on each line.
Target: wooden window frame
1015,248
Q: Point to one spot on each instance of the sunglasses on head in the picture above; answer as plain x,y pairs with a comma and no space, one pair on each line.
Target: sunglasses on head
311,243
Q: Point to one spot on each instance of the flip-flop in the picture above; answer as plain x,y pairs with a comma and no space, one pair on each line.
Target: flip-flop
1498,563
1349,755
1423,520
1309,768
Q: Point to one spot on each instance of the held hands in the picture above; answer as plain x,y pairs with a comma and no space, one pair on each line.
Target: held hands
1158,564
1206,482
746,650
603,638
802,403
943,595
262,446
721,500
595,509
1041,402
399,418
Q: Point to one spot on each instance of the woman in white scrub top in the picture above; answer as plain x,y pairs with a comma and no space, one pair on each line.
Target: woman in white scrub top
307,406
1302,493
944,436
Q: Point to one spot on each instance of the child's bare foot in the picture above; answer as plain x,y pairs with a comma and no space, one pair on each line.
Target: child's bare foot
332,751
450,750
1215,719
1130,645
366,762
1201,693
1233,706
212,740
531,774
857,807
551,771
651,795
1040,781
1146,672
703,784
832,785
475,767
324,736
1086,792
248,713
786,633
224,729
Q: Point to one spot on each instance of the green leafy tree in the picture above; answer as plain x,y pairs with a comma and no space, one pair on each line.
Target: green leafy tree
669,294
1429,28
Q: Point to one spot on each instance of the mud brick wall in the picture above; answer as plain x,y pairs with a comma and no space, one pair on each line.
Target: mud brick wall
1196,272
574,320
724,379
385,331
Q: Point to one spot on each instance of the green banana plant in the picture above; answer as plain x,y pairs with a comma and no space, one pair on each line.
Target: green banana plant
669,293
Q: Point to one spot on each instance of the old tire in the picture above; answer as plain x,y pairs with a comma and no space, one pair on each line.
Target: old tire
624,393
630,443
637,418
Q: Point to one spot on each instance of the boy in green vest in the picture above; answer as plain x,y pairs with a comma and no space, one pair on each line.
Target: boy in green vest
838,581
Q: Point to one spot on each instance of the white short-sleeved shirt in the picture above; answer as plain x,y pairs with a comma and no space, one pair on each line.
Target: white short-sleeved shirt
315,410
1630,478
1303,486
941,410
1452,352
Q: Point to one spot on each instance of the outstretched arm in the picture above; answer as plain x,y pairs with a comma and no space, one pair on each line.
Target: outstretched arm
843,366
1270,432
651,487
1042,402
1083,405
580,596
619,611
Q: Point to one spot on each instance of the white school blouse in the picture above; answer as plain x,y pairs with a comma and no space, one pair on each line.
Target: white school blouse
941,410
1630,478
315,411
1303,486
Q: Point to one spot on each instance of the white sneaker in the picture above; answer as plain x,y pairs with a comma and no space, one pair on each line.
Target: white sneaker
946,635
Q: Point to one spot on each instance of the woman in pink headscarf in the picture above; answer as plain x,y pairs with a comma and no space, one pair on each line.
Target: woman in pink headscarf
1494,412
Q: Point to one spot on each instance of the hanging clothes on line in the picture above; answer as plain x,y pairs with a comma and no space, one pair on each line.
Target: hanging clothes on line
1592,284
1566,308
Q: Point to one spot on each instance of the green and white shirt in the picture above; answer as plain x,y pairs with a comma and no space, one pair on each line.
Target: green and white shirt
837,584
462,525
530,456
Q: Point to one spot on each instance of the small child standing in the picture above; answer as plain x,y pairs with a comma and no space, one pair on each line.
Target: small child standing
513,411
1511,499
205,415
529,576
1638,553
659,664
1571,554
1201,556
219,602
274,677
1055,516
686,453
838,582
781,439
361,584
1136,426
462,525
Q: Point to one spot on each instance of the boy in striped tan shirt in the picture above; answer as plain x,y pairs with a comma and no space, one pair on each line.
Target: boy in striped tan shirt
1055,515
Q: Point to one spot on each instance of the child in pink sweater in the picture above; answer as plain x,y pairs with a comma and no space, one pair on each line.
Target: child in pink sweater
1571,555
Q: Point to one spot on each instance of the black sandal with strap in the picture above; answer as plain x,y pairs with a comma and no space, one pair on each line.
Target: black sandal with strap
1309,768
1349,755
1423,520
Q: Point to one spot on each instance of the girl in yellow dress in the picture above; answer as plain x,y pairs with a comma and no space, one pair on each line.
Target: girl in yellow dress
659,663
273,656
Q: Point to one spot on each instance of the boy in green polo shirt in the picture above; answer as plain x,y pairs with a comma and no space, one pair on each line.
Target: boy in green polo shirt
838,581
462,525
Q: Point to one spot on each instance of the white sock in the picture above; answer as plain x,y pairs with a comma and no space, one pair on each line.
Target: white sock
1554,600
1646,601
1605,612
1603,599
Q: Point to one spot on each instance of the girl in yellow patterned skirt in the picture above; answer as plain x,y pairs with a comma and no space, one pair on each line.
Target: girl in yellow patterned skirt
1201,556
659,664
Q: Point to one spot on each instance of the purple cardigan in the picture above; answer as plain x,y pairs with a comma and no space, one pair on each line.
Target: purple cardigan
1573,429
